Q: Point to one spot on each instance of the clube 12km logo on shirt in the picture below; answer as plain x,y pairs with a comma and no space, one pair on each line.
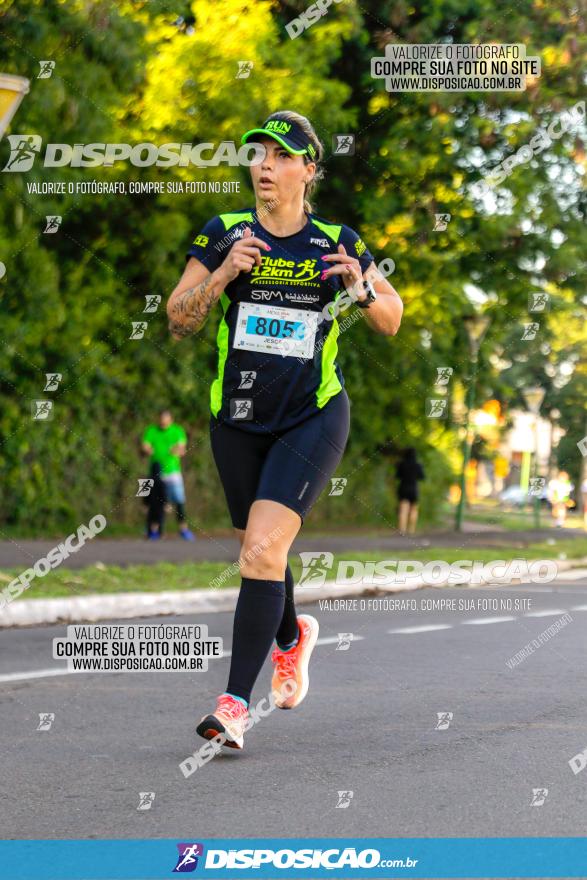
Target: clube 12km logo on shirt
190,855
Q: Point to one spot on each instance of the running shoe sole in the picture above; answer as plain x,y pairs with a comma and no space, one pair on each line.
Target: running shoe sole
211,726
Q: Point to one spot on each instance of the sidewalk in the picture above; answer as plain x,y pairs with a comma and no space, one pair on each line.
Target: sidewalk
22,554
120,606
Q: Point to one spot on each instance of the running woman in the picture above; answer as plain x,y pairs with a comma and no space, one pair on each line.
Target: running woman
279,412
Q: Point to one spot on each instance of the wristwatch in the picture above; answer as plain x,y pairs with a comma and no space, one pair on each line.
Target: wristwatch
371,295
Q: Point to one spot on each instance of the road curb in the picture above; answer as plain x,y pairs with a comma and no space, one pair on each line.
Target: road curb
115,606
87,609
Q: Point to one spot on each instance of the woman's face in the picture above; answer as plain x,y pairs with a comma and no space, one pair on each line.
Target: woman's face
280,175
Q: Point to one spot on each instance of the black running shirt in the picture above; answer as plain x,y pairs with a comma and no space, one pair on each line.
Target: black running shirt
276,349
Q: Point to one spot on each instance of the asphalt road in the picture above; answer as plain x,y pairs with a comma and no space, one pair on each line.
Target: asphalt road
368,726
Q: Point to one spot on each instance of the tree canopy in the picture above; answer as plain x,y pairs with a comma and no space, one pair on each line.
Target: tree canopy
138,72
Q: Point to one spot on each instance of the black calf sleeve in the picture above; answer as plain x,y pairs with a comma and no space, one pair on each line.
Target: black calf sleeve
288,628
259,610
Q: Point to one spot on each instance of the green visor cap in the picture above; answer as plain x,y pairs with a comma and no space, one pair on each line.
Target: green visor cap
289,134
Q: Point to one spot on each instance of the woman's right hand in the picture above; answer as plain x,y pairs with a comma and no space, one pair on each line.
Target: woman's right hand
243,255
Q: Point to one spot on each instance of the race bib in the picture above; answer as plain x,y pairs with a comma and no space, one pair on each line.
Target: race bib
275,330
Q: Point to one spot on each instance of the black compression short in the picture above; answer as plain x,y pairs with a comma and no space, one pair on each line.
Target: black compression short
292,467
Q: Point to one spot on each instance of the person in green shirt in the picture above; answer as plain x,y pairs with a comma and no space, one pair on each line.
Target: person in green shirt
165,443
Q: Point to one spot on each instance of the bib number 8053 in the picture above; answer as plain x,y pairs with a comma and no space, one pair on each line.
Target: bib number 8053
267,329
278,329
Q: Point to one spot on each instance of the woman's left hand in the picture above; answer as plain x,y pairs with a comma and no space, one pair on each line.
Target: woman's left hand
347,267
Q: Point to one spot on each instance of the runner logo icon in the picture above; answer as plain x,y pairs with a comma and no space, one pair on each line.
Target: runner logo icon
23,149
241,409
145,487
53,380
46,719
146,799
187,860
344,799
247,378
444,719
315,568
338,484
343,144
538,797
344,641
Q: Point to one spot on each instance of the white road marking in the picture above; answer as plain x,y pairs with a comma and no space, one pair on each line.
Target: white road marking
546,613
419,629
528,589
36,673
327,640
50,673
576,591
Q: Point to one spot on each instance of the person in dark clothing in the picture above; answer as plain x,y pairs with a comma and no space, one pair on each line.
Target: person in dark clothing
155,502
409,472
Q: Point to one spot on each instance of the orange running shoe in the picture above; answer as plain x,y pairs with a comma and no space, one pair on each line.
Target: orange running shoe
229,719
290,675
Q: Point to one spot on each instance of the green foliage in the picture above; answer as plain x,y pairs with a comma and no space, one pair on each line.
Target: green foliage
126,73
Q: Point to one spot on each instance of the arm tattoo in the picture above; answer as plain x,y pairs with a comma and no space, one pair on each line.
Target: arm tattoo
191,308
179,331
